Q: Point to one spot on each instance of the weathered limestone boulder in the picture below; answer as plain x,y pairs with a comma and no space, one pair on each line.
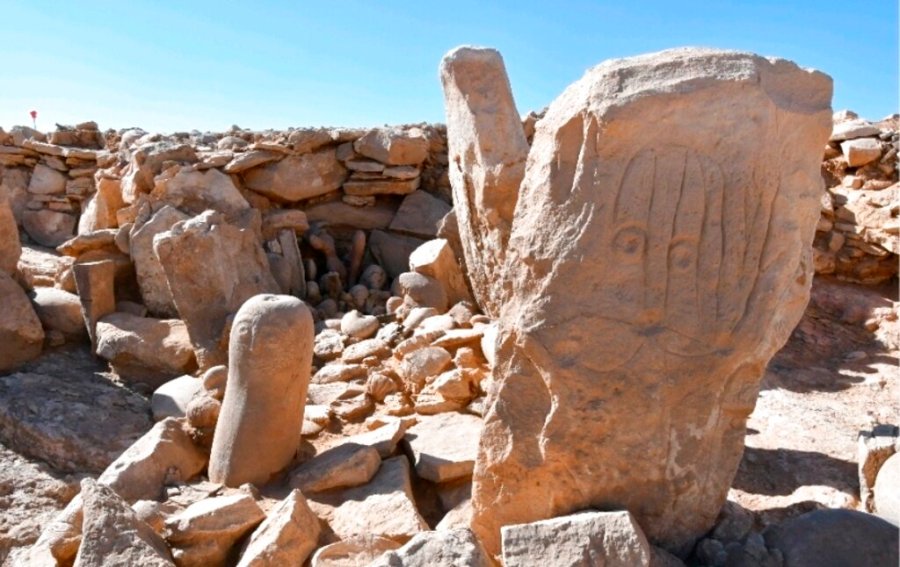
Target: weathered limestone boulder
384,507
164,454
393,146
142,349
112,534
612,539
298,177
59,310
171,399
435,259
10,245
287,536
150,274
419,215
487,151
450,548
204,533
270,353
99,210
46,181
47,227
660,254
348,464
39,268
21,334
444,446
212,268
196,191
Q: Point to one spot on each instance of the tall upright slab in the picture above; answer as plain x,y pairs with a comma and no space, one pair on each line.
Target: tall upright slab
487,151
660,254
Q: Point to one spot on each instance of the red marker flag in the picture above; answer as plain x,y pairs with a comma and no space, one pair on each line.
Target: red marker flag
33,114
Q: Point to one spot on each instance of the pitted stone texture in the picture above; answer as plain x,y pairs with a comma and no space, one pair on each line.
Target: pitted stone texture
611,539
150,274
487,151
270,355
212,268
660,254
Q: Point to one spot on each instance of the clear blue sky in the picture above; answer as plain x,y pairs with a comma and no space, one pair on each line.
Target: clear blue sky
169,66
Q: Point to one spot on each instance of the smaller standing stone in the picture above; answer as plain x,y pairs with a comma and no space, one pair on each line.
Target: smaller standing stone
270,356
95,282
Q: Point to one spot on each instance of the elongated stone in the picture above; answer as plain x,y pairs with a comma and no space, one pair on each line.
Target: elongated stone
270,356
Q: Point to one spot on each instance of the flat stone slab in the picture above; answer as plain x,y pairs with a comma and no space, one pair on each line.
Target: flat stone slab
444,446
64,410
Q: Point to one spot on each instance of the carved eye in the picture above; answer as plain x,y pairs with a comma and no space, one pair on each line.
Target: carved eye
629,242
682,254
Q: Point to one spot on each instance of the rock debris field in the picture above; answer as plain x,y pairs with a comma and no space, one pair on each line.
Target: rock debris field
655,323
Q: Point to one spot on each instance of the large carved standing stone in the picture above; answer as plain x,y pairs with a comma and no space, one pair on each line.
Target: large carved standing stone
212,268
270,356
659,256
487,151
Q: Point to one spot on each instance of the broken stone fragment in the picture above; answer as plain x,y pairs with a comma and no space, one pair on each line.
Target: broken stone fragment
444,446
171,399
204,533
345,465
288,535
113,534
354,550
295,178
164,454
586,538
449,548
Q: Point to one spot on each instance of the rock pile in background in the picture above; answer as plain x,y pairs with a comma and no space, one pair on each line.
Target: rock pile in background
858,236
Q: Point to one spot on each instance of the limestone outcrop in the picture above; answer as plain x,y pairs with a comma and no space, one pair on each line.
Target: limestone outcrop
658,257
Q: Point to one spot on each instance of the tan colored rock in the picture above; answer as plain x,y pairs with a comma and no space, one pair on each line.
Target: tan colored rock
39,268
298,177
143,349
112,534
287,536
345,465
366,187
861,151
95,282
171,399
277,220
270,354
338,373
354,551
103,240
645,269
612,539
423,365
486,151
99,210
384,507
358,326
450,548
444,446
435,259
234,269
419,215
59,310
21,334
196,191
60,539
393,146
364,349
392,251
338,213
150,274
204,533
247,160
887,490
164,454
47,227
10,246
46,181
